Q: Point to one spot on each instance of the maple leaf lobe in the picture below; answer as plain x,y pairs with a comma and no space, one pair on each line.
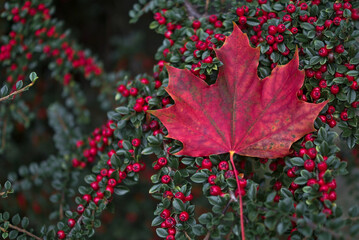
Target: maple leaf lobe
239,113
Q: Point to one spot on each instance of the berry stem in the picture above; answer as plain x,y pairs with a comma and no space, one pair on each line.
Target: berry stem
231,153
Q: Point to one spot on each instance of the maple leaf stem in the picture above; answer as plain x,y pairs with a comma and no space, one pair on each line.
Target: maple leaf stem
231,153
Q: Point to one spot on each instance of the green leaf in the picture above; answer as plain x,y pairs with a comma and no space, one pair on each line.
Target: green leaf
19,84
16,219
283,226
121,190
178,205
205,218
161,232
147,151
297,161
33,76
198,230
4,90
199,177
307,26
13,234
156,221
25,222
122,110
7,185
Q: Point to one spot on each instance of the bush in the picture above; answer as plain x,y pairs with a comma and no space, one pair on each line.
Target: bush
290,197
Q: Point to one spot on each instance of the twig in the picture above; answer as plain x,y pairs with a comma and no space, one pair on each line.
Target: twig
62,123
188,237
206,7
61,210
3,137
22,115
226,208
21,230
207,236
192,12
78,222
17,92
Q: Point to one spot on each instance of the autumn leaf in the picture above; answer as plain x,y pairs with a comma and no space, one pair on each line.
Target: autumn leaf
240,113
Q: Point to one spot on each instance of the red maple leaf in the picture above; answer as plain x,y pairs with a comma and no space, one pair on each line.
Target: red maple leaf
239,113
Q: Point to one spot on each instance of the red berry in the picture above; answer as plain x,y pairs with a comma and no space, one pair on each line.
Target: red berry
272,30
332,196
180,195
242,20
332,123
334,89
277,186
206,163
71,222
312,153
211,179
240,12
290,173
294,30
323,52
196,24
162,161
171,231
323,84
136,167
112,182
311,182
212,18
165,213
170,237
331,109
242,183
170,222
136,142
218,24
61,234
183,216
344,116
208,59
333,184
281,28
223,165
270,39
337,6
94,186
315,94
291,8
322,166
215,190
309,165
87,197
165,179
339,49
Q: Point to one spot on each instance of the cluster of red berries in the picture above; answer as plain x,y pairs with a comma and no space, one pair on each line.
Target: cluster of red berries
169,221
110,176
101,138
30,10
326,188
329,118
141,104
45,36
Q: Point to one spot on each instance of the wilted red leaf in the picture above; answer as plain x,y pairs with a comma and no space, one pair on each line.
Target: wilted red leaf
239,113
